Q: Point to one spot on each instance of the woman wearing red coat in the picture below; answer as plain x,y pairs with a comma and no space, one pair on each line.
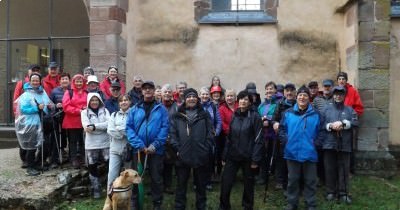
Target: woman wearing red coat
226,111
74,101
111,77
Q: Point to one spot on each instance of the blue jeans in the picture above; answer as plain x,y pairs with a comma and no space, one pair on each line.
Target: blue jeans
117,161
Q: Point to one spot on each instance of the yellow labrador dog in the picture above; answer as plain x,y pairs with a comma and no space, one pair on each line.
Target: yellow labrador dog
119,196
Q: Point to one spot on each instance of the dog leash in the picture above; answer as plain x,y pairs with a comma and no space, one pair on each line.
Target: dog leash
144,165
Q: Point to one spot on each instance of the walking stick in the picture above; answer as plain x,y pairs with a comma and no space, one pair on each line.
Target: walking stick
59,137
41,118
269,169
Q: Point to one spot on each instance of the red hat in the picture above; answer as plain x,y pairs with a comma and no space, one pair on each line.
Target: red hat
215,89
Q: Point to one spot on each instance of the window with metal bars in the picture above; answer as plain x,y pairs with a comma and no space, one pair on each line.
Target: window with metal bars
238,11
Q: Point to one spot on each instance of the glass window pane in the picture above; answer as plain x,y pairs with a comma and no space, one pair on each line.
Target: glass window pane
29,18
3,19
25,53
71,54
3,81
70,18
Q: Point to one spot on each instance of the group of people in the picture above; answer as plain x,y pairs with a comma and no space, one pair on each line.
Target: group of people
214,132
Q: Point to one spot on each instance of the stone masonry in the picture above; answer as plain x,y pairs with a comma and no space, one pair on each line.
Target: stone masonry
373,73
107,47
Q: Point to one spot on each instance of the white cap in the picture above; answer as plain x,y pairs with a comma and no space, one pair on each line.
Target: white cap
92,78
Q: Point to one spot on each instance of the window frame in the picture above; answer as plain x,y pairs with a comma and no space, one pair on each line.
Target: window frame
204,14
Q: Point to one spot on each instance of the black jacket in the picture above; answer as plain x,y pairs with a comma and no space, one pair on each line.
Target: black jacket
192,140
283,105
245,140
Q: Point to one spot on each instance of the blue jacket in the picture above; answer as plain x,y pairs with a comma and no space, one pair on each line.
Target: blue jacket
112,105
143,132
210,107
28,104
301,133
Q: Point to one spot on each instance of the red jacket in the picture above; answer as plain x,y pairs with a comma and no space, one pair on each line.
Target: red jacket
73,106
106,84
353,99
19,89
49,83
226,116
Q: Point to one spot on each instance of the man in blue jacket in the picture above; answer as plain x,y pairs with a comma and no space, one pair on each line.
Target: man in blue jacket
147,129
299,131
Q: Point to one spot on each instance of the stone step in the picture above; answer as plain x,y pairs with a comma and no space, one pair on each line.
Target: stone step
7,132
19,191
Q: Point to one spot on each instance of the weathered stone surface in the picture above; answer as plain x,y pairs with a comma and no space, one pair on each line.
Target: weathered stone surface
374,118
383,139
105,27
99,13
202,4
367,97
107,44
374,55
382,10
377,163
118,14
365,9
367,139
381,99
374,79
374,31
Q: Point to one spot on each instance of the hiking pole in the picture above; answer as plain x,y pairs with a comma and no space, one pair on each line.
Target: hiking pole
42,123
59,136
269,167
55,137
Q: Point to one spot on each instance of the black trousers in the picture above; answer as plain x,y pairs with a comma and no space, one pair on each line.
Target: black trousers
281,172
228,179
156,166
337,170
76,145
30,158
200,176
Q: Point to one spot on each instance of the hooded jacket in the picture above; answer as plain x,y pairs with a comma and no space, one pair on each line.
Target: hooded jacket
353,99
49,83
106,84
192,139
301,133
117,131
244,141
73,106
28,104
144,132
97,139
342,140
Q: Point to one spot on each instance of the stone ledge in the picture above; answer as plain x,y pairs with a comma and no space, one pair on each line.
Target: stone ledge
376,163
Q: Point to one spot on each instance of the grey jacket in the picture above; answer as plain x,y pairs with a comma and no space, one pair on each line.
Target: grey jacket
342,140
117,131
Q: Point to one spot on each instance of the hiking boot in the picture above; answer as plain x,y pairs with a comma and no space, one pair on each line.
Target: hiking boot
76,164
330,197
290,207
24,164
345,199
32,172
260,181
168,190
279,186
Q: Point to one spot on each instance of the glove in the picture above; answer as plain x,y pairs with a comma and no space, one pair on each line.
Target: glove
151,149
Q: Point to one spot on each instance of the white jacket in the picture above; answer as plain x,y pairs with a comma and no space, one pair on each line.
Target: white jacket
97,139
117,130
